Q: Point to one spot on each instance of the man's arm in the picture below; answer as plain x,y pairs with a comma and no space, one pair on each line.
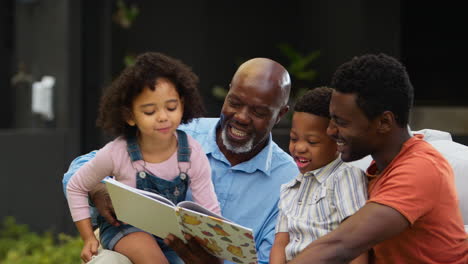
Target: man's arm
74,166
370,225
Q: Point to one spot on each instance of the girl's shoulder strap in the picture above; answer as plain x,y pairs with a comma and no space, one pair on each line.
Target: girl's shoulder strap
133,149
183,149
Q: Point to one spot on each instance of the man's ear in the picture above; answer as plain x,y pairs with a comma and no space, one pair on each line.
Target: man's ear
282,112
385,122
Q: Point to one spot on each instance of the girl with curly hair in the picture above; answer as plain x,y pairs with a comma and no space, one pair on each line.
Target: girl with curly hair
143,108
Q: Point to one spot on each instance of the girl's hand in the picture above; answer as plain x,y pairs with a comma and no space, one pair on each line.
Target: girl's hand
91,244
90,249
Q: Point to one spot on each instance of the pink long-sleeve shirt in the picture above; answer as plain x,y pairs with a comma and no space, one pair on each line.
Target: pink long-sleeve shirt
114,160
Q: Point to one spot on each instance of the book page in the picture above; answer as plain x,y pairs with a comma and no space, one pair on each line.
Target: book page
220,237
142,211
156,196
149,194
193,206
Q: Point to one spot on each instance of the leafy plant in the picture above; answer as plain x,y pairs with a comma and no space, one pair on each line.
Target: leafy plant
299,68
19,245
219,92
125,15
302,74
129,60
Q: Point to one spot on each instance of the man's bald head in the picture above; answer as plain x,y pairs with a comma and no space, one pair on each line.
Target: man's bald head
268,74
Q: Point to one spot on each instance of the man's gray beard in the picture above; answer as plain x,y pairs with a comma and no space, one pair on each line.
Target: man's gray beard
238,150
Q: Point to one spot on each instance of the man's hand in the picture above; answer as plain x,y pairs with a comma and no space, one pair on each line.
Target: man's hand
192,252
103,203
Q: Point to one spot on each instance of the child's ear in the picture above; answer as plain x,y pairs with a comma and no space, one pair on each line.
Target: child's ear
128,116
131,122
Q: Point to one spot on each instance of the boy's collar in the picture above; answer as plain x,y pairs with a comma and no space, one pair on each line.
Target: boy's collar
320,174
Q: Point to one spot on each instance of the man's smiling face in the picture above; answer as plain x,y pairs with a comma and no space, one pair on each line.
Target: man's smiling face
249,112
353,132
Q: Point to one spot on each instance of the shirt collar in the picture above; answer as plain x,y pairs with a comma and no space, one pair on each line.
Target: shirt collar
320,174
210,145
372,171
262,161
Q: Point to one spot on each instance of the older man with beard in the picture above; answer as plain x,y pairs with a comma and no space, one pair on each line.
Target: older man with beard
248,168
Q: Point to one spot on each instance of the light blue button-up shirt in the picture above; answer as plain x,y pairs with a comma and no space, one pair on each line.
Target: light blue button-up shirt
248,192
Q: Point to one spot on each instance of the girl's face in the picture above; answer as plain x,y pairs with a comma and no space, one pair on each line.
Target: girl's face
158,113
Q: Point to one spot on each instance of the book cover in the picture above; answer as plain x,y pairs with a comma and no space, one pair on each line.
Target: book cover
159,216
145,210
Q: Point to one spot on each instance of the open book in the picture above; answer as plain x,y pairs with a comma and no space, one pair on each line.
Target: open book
157,215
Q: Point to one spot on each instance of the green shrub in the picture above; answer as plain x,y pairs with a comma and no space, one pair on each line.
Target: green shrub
19,245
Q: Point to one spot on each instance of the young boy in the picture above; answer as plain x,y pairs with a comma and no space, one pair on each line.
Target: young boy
326,191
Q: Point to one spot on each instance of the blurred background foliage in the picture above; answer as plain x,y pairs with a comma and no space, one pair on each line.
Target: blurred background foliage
19,245
300,66
301,69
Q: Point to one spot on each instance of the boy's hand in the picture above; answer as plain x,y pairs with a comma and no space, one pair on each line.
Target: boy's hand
103,203
90,249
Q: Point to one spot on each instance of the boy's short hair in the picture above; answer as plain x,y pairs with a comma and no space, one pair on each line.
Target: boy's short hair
315,101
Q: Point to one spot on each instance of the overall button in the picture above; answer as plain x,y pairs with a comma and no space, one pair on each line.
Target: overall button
142,174
183,176
176,192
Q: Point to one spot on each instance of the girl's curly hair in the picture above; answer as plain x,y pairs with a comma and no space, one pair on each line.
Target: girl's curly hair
116,102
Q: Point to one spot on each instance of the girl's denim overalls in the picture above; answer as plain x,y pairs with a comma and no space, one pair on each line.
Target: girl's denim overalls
174,190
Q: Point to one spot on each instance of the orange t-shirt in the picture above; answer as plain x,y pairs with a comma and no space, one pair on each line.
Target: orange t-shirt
419,184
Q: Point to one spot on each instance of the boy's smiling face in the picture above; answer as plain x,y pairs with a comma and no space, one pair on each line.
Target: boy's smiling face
309,144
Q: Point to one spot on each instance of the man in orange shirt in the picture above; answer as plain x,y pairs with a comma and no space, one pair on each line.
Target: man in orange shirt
412,215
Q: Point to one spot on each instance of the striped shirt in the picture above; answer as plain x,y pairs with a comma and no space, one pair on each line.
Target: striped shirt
316,202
